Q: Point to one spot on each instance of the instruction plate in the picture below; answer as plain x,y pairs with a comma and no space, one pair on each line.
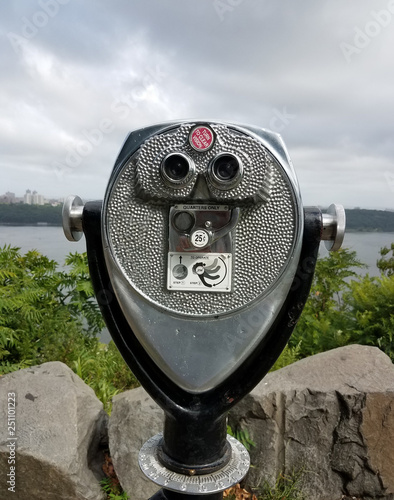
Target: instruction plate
202,272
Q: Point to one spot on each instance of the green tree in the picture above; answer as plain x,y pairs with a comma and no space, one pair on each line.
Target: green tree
344,308
45,314
386,261
48,314
372,302
324,323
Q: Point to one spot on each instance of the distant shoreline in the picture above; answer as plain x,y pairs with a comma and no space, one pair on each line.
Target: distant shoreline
369,230
358,220
27,224
49,224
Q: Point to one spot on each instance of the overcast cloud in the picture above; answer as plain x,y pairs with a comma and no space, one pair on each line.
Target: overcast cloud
320,73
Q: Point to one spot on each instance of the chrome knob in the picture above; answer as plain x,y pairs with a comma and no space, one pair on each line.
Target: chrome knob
72,218
334,224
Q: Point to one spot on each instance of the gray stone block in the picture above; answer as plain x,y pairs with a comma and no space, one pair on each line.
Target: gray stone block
58,428
134,419
331,415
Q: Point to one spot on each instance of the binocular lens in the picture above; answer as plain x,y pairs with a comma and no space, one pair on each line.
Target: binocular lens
226,167
175,167
225,171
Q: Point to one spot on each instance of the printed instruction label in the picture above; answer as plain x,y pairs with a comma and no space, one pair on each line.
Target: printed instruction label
203,272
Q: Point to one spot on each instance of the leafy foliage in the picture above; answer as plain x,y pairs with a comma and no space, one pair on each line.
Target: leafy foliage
42,309
104,370
113,492
344,308
48,314
242,435
372,301
288,356
287,487
324,323
386,262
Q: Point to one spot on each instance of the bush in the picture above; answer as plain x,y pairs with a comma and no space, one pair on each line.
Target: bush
105,371
325,323
372,302
47,314
345,309
52,315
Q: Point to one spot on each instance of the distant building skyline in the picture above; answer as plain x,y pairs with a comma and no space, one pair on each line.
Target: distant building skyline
8,198
29,198
34,198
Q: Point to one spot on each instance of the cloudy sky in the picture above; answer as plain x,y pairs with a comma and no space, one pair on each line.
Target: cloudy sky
77,76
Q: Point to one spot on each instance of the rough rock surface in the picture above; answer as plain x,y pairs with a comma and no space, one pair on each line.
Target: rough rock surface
134,419
331,415
59,426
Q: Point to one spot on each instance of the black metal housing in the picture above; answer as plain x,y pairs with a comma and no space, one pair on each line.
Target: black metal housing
195,424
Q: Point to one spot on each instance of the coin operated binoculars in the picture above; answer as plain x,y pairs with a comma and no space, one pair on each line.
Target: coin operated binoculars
202,257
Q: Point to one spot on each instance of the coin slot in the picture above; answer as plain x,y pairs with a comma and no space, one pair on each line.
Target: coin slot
183,221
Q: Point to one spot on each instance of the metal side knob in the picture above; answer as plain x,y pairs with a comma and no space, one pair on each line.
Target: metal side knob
72,218
334,224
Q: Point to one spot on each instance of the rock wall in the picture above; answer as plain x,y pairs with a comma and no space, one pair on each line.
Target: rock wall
134,419
59,425
331,415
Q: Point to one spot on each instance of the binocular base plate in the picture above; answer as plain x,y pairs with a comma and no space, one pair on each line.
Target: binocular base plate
218,481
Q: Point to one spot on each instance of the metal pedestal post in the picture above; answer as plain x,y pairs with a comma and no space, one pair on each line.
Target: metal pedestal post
178,486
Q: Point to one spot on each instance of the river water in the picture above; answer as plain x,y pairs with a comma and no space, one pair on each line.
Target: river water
50,241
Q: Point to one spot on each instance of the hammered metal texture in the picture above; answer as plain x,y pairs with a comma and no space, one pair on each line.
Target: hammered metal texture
138,230
250,151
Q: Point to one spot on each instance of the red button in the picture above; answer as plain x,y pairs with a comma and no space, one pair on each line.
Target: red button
201,138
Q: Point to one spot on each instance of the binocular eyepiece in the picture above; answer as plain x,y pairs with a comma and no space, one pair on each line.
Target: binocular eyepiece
224,171
176,170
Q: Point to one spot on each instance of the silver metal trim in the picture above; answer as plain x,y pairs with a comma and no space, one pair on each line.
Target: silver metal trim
205,484
334,225
72,215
